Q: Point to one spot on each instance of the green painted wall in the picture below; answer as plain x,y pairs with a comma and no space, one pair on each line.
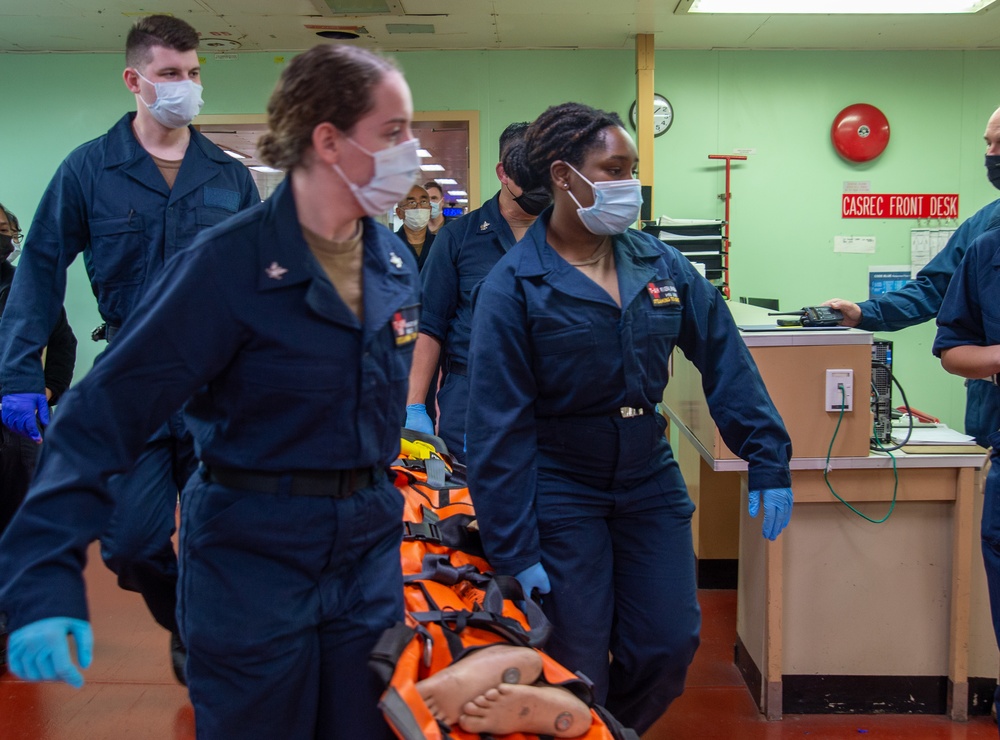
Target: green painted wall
786,197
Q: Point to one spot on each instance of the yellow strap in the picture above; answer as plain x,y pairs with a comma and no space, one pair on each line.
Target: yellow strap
417,450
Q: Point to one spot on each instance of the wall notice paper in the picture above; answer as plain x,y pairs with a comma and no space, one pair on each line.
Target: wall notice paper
854,244
885,278
925,244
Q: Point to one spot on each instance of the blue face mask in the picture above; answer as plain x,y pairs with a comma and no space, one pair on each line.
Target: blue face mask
617,204
396,169
435,209
176,104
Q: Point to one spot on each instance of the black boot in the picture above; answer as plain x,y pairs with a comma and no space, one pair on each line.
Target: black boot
178,657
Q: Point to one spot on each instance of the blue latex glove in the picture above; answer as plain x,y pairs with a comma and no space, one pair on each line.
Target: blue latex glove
534,577
418,420
40,651
777,509
19,413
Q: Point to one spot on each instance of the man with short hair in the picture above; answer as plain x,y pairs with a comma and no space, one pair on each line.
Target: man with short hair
415,213
128,200
436,195
466,250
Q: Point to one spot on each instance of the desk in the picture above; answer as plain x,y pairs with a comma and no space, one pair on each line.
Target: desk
895,609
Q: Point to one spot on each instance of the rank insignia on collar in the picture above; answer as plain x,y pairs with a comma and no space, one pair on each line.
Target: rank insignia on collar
275,271
396,260
484,225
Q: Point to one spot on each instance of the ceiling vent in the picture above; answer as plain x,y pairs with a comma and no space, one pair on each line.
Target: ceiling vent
359,7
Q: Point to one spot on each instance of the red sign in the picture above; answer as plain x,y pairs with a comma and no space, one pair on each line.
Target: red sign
880,205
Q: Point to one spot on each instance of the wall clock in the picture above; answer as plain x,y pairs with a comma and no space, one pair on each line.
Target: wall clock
663,115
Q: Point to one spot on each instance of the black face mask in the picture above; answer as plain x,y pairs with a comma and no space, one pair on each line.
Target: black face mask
993,169
533,201
6,246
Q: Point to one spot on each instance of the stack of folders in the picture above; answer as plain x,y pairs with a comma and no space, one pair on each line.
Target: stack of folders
933,439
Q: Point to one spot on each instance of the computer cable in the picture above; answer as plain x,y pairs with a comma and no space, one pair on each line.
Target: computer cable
826,468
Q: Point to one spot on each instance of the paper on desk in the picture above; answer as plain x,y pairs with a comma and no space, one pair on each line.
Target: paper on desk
936,435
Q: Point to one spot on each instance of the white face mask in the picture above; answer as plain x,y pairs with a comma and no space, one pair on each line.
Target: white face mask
617,204
417,218
176,104
396,169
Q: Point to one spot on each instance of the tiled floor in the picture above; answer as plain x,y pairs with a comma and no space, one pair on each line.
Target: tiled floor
130,691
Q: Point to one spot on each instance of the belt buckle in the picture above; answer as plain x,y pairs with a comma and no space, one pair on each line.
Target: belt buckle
629,412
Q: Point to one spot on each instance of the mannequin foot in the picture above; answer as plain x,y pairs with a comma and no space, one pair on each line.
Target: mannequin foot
446,691
542,710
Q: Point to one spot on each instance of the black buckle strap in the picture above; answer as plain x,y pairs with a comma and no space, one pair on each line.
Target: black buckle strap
422,532
328,483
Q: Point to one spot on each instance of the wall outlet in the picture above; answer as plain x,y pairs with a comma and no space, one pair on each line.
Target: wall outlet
833,398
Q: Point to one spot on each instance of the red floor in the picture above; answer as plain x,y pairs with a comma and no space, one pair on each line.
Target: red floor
130,690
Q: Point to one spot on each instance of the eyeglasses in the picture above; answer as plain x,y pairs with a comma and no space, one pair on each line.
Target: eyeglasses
15,235
411,204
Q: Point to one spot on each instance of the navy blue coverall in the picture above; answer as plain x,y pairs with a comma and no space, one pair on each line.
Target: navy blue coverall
109,201
424,251
282,596
569,465
919,301
465,251
970,314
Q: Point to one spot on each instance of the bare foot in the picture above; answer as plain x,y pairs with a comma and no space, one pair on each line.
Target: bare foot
446,691
542,710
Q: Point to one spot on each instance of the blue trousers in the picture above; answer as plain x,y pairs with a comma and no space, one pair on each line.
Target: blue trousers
615,527
453,403
991,538
137,545
281,600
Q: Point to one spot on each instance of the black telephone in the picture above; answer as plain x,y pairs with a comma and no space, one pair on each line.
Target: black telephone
810,316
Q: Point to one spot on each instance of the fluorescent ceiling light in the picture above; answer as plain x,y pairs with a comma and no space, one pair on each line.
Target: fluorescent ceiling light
235,155
262,168
461,200
457,192
446,181
855,7
423,153
432,168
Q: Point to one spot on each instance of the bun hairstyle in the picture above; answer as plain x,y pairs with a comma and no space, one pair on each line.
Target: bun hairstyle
563,132
327,84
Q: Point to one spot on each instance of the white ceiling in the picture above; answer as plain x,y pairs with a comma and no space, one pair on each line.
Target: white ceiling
270,25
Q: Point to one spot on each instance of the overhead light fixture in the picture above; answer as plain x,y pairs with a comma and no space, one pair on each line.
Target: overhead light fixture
235,155
461,200
432,168
457,192
263,168
423,153
832,7
446,181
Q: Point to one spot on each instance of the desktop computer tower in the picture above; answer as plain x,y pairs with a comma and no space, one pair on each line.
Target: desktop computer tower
881,391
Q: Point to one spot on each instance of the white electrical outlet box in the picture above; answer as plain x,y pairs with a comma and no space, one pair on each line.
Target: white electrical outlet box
834,397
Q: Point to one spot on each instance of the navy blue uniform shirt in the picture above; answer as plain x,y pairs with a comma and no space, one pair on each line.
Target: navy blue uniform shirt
919,300
548,342
465,251
970,313
109,201
282,376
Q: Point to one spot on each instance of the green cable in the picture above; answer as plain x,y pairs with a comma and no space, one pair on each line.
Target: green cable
826,468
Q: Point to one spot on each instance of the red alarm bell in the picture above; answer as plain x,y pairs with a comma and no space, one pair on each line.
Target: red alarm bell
860,132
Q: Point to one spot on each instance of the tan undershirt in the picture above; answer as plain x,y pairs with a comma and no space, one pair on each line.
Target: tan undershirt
168,168
343,263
